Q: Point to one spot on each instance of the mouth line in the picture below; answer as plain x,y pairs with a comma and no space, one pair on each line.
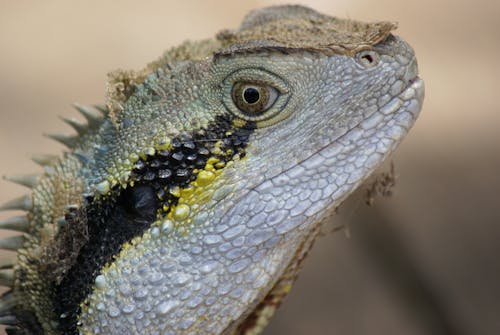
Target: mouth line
415,84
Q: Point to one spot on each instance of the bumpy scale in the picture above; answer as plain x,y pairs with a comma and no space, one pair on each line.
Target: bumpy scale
187,204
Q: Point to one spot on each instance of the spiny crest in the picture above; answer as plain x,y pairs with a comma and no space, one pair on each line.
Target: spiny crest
67,140
23,203
94,117
43,160
29,181
12,243
8,303
79,127
7,263
7,277
7,272
17,223
9,320
7,300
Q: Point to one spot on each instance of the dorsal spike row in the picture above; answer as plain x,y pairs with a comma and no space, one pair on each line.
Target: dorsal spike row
43,160
7,263
7,277
68,140
24,203
25,180
12,243
7,303
93,117
9,320
76,125
16,331
102,108
17,223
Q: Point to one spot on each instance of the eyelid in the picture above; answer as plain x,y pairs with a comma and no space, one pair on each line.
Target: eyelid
260,77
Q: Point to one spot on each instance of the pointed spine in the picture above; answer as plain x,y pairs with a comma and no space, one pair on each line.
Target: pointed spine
24,203
7,304
18,223
12,243
29,181
76,125
7,277
93,118
102,108
9,320
7,263
67,140
43,160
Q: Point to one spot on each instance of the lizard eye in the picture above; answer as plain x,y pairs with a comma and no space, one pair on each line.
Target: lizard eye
253,99
257,96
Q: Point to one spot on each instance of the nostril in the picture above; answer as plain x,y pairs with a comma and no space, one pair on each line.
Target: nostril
411,71
368,58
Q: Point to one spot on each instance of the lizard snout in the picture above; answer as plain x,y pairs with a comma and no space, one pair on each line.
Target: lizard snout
411,71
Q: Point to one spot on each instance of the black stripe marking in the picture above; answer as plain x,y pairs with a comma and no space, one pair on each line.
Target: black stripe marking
127,213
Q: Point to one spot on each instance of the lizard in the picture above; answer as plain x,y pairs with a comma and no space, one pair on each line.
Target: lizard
187,203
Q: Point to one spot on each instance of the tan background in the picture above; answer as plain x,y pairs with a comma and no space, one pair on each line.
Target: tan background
423,262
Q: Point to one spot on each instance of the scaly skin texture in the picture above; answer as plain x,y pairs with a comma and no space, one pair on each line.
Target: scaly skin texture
187,204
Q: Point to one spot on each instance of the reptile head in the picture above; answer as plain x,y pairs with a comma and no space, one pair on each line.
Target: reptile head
188,207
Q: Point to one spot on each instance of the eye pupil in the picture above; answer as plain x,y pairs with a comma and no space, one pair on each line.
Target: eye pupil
252,98
251,95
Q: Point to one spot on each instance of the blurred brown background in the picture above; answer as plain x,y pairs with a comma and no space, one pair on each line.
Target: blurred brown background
425,261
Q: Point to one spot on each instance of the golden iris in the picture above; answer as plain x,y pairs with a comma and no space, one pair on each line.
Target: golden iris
251,98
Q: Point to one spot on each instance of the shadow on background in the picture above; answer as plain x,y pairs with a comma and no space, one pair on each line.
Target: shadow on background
422,262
